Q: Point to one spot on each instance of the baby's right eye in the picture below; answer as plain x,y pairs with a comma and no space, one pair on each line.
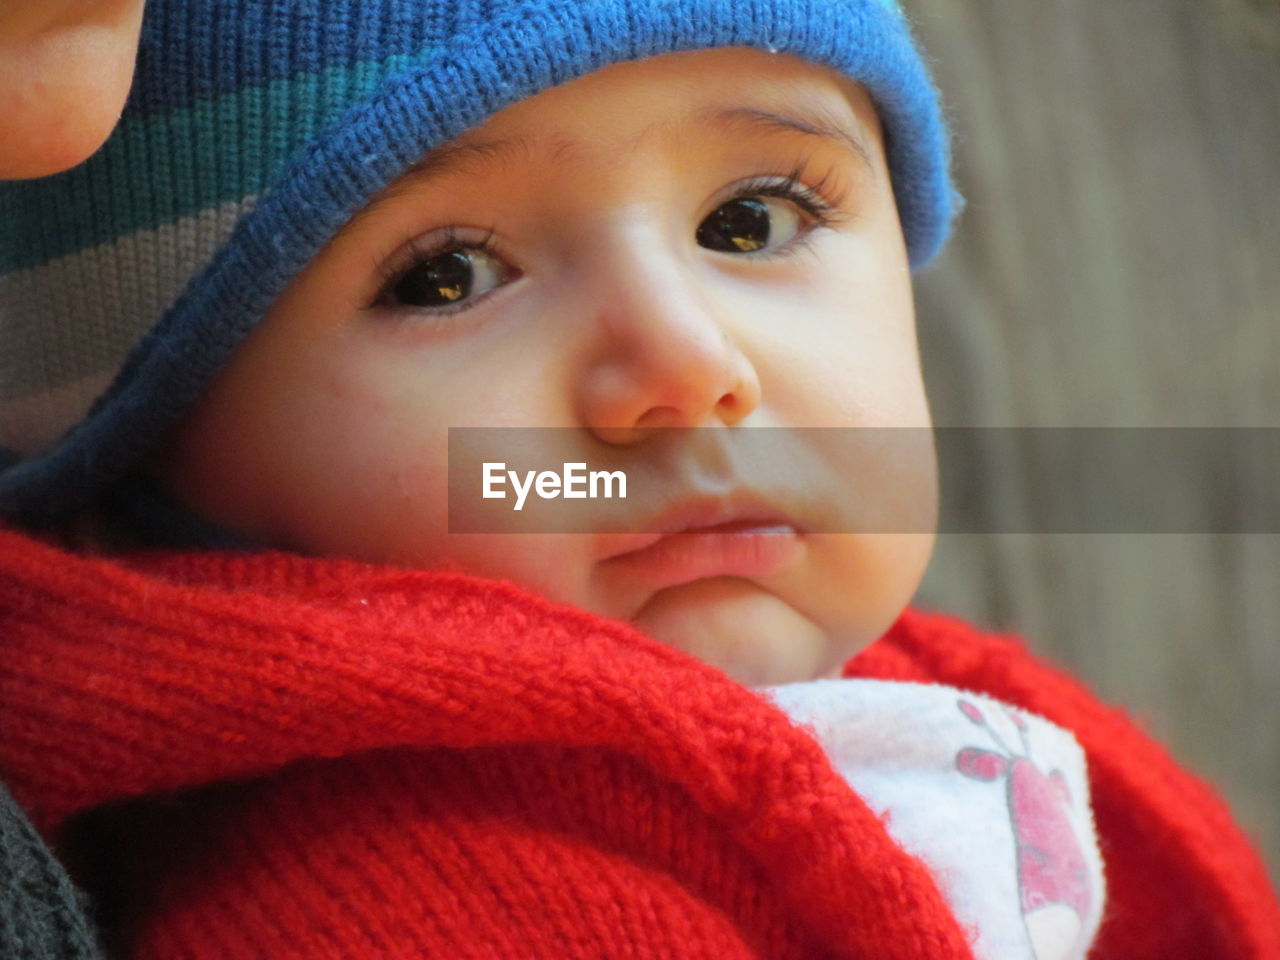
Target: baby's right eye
446,279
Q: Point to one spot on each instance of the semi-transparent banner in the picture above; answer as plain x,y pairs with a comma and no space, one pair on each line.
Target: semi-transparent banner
872,480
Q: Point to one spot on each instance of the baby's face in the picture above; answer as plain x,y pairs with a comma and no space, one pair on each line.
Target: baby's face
628,250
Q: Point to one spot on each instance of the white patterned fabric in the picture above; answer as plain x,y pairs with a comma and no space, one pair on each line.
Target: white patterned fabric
993,799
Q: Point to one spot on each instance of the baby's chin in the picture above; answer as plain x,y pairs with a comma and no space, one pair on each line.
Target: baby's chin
736,625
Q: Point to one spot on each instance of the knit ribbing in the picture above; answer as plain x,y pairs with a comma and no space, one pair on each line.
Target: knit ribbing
340,760
118,684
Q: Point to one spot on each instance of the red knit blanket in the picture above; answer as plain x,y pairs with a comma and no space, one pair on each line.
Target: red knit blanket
271,756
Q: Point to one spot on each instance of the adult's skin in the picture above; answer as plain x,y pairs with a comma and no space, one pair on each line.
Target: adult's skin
65,70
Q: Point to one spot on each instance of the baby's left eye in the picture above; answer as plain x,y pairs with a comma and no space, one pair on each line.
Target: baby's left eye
747,224
768,215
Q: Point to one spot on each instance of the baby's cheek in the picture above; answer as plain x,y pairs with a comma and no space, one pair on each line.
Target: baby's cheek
856,585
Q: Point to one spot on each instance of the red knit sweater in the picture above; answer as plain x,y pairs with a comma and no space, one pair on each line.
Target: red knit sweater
271,756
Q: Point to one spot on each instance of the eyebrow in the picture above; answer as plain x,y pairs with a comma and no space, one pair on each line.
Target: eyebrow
814,125
452,159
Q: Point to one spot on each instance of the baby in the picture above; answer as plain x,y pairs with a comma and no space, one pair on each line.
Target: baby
703,239
326,234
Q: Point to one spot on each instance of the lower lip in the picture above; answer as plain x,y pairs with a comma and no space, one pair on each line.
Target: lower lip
696,554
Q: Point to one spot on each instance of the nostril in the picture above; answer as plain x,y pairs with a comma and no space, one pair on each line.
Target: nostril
660,417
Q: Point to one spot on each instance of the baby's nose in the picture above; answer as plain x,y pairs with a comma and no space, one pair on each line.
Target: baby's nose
668,352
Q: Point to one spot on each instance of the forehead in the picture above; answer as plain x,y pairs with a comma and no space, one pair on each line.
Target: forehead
690,96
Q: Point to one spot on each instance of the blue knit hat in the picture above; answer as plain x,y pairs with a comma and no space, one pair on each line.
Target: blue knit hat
256,128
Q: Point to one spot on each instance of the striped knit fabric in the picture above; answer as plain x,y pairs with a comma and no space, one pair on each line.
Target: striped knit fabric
256,128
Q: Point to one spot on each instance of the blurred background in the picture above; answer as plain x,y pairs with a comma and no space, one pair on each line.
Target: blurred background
1119,265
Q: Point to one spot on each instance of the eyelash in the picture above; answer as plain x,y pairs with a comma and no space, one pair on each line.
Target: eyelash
812,200
419,256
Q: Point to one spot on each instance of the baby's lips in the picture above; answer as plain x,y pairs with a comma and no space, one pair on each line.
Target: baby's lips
739,512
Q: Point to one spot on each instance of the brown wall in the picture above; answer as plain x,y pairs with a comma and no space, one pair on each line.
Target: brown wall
1119,265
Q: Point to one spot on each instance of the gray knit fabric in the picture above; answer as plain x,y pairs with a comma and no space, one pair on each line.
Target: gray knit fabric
42,914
